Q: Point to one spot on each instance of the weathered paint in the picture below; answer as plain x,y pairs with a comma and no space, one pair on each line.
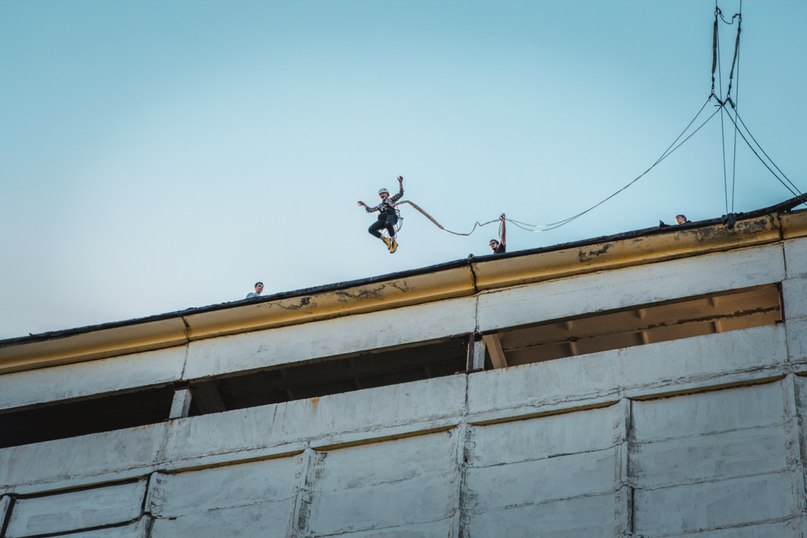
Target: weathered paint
89,345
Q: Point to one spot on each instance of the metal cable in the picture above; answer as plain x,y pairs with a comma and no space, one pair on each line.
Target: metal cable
793,190
667,152
763,150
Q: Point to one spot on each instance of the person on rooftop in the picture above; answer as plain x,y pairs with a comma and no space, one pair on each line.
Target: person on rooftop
497,246
387,216
257,292
682,219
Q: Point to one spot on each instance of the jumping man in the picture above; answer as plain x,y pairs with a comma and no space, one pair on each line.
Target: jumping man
387,217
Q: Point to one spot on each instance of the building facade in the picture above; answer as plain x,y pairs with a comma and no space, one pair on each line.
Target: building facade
649,384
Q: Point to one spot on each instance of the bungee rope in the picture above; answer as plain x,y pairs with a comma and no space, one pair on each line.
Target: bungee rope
477,224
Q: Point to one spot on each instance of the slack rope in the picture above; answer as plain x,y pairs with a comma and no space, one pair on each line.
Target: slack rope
477,224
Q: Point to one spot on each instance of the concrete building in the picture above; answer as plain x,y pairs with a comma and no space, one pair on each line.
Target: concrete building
646,384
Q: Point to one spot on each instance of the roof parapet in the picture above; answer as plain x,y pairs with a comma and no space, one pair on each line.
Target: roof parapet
455,279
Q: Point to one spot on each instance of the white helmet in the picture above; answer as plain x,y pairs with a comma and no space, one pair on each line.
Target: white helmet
382,191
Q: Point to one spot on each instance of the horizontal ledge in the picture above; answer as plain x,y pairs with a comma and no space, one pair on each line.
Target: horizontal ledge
462,278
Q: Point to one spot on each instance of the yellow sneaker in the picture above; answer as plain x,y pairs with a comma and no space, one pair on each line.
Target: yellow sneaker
393,246
387,241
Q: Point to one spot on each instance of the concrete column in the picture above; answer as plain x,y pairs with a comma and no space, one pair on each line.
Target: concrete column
181,404
476,353
794,298
463,445
5,512
623,512
298,526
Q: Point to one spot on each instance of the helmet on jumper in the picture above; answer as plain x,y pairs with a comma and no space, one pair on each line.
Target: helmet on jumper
382,191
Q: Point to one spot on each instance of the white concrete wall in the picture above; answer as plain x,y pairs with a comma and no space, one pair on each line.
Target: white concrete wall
696,437
630,286
715,460
363,332
94,377
397,484
599,445
262,493
557,475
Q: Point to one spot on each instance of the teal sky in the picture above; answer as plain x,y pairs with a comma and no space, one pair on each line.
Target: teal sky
159,155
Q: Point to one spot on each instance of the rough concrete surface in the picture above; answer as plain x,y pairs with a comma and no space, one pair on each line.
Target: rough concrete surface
698,437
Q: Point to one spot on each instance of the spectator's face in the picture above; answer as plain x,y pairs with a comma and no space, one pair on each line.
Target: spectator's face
258,288
494,245
680,219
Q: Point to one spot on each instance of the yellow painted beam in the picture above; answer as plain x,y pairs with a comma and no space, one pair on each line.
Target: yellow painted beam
94,344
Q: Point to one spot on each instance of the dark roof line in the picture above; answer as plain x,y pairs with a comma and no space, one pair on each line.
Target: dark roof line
782,207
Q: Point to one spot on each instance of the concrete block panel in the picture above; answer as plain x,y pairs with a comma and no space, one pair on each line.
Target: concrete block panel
546,437
572,518
715,505
93,377
707,461
76,510
74,461
714,456
797,339
364,412
755,406
273,481
568,381
532,468
260,520
399,483
287,345
631,286
542,481
796,257
794,295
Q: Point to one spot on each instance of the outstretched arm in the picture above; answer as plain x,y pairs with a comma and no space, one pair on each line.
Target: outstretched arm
504,229
368,208
397,197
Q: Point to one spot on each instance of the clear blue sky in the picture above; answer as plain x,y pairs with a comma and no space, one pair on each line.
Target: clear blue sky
161,155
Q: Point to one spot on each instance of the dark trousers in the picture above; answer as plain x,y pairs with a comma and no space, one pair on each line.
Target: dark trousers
386,220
